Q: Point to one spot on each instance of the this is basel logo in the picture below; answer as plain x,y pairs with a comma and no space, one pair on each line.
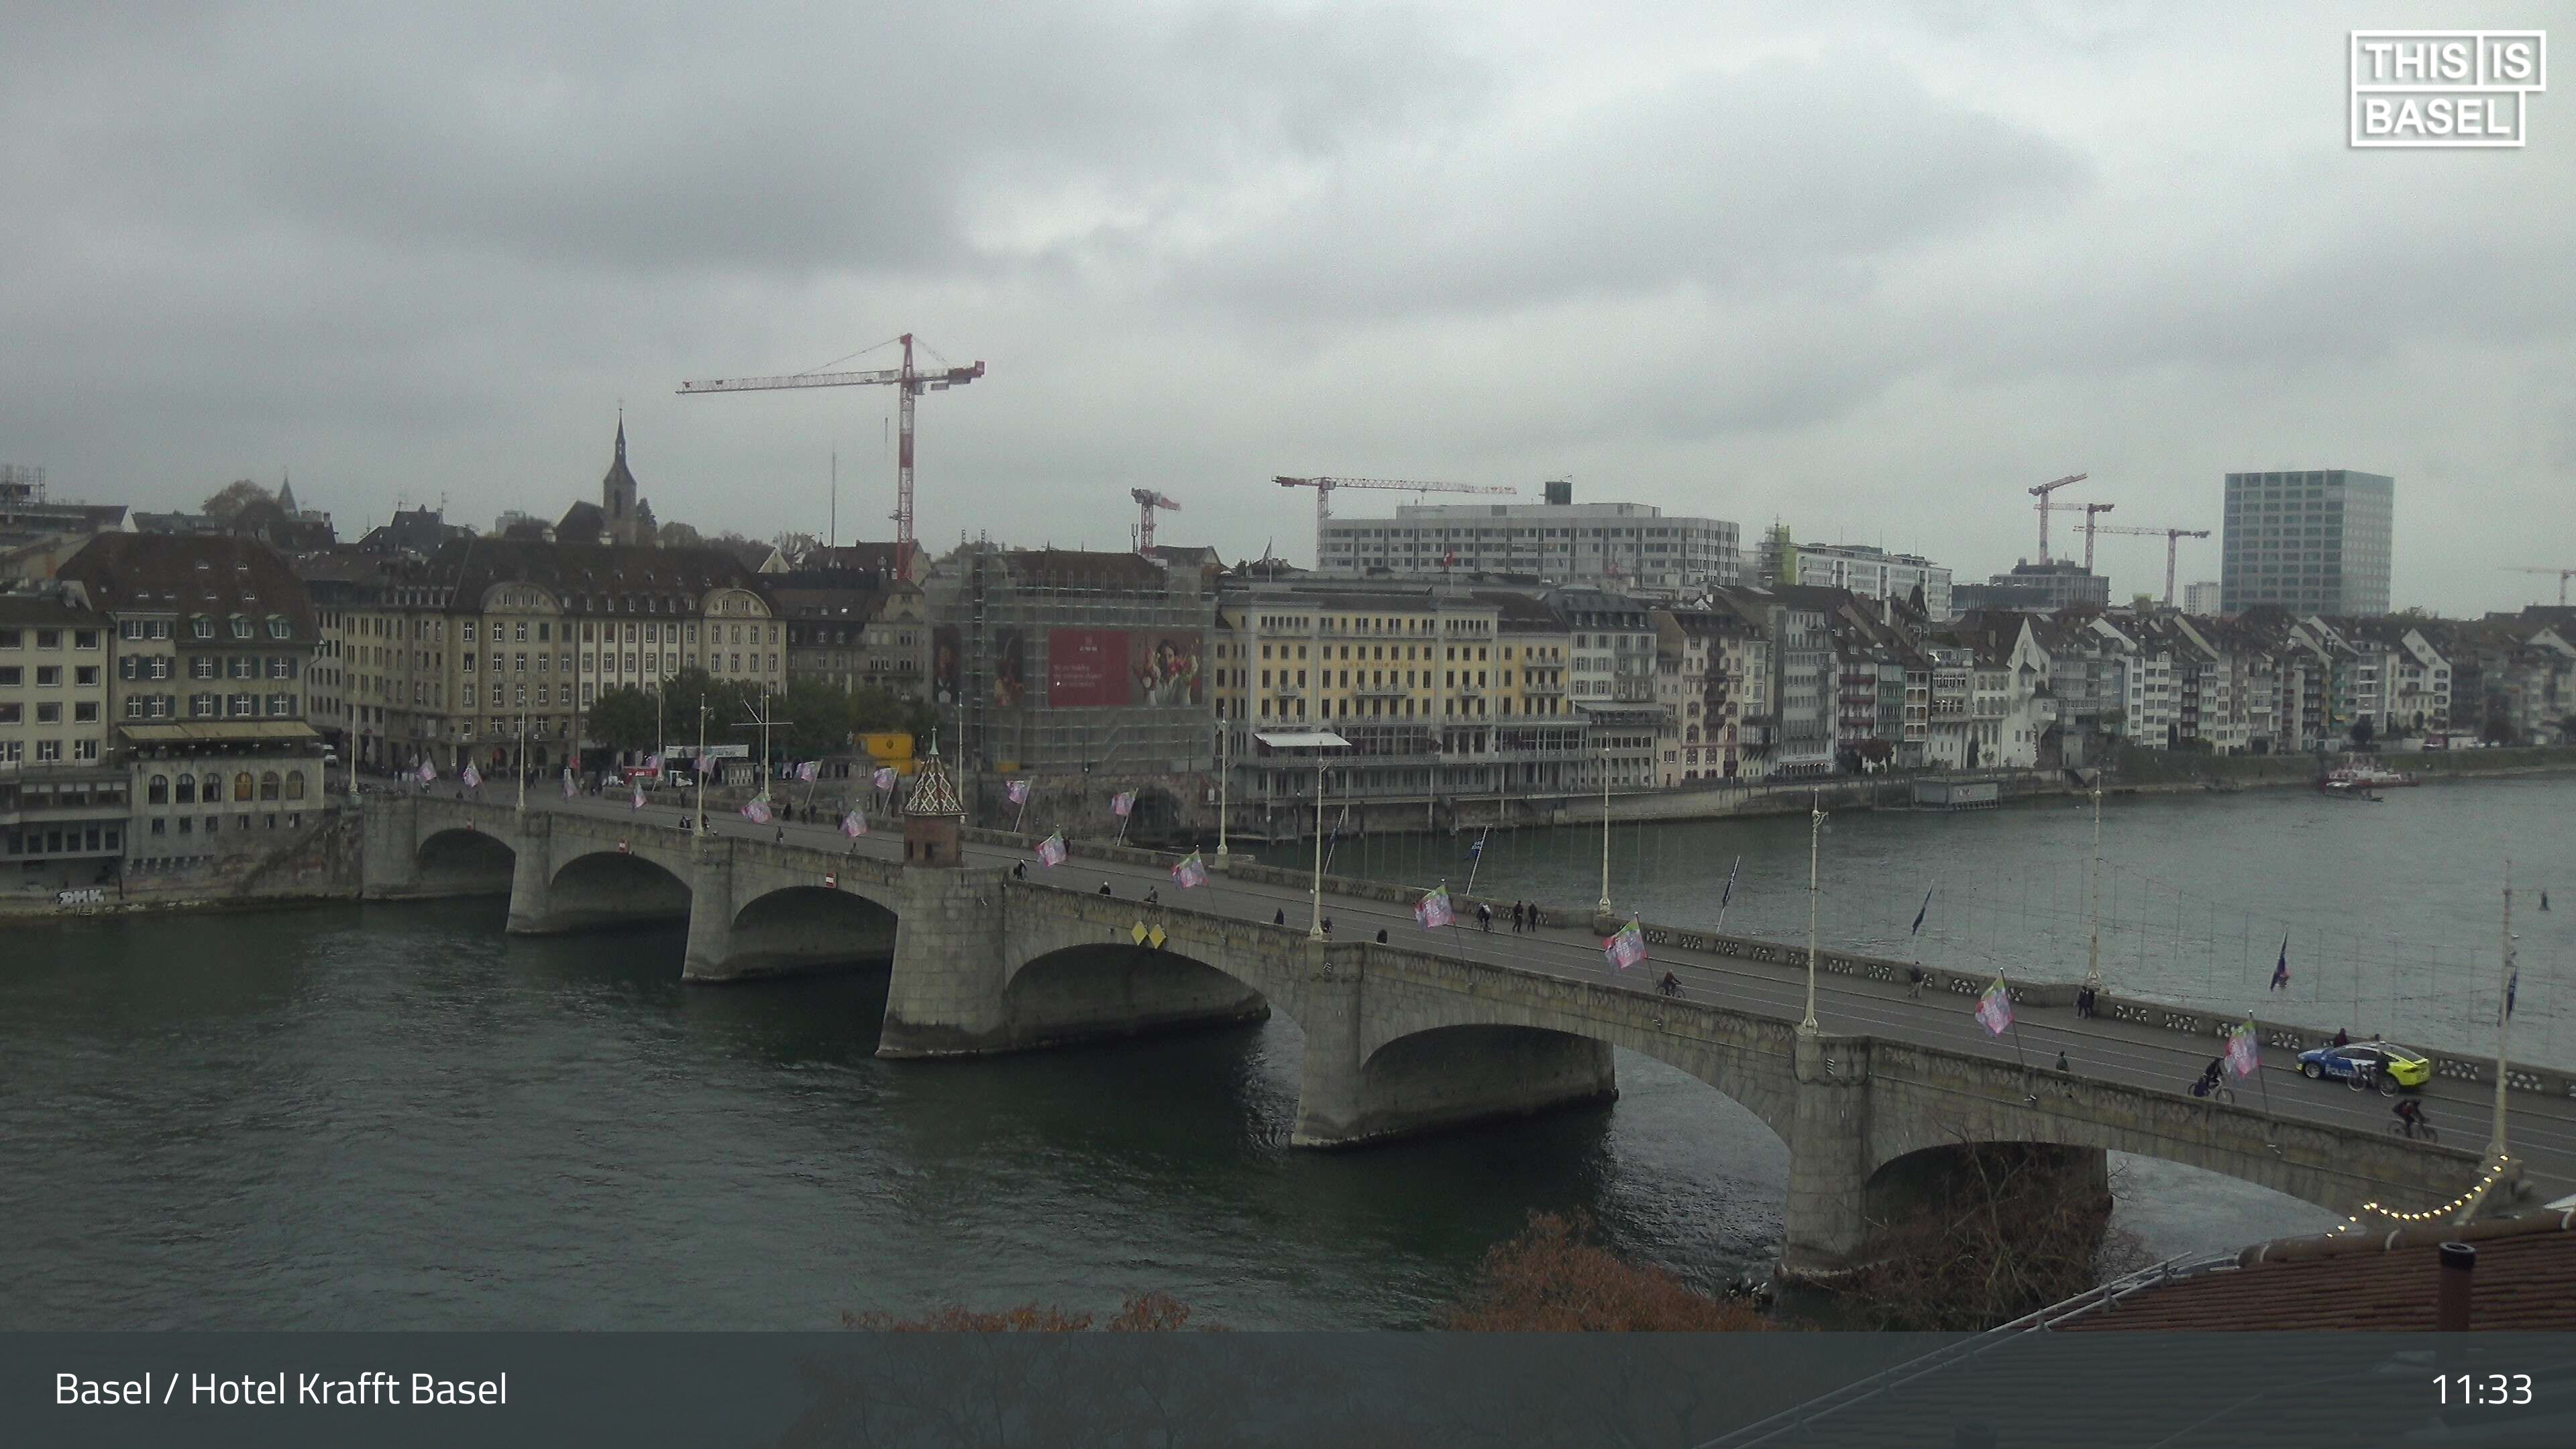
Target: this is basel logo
2445,88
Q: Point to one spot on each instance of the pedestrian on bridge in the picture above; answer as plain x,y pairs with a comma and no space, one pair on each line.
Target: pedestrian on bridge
1914,979
1105,890
1279,917
1516,918
1485,917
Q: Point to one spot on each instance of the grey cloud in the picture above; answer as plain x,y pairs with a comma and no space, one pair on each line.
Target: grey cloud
1781,175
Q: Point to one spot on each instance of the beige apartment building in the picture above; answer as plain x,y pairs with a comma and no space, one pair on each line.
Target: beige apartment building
62,799
465,649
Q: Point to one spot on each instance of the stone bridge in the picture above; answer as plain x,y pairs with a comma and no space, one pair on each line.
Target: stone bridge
1399,1040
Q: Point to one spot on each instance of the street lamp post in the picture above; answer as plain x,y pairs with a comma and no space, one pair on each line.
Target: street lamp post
1315,926
1602,911
1815,838
1221,773
2093,952
523,764
701,763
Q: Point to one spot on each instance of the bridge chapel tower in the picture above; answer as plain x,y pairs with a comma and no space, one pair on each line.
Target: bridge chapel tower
934,818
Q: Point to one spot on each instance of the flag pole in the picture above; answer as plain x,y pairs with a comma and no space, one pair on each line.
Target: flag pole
1478,862
1727,899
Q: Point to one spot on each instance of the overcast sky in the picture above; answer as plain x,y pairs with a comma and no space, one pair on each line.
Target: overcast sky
1872,272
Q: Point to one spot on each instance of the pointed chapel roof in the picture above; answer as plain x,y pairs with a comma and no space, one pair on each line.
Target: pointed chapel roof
933,793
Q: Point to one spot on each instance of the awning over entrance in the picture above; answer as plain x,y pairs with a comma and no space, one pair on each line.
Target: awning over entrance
223,732
1301,740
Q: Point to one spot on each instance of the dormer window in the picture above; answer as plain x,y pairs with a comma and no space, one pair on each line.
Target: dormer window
201,627
241,627
277,628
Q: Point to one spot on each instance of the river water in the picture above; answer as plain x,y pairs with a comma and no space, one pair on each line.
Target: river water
395,1117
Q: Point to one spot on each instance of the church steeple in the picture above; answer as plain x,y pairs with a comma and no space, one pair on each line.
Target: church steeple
617,492
286,493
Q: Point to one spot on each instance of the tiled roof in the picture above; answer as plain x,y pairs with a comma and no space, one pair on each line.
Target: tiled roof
933,793
2525,1280
587,576
45,611
184,575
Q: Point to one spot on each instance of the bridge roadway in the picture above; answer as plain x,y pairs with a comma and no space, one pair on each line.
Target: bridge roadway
2101,1051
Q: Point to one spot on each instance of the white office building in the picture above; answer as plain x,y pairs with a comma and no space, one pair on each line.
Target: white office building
1875,573
2201,600
1630,546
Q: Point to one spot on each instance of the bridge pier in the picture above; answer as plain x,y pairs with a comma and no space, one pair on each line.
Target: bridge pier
1824,1224
711,908
532,875
950,959
391,830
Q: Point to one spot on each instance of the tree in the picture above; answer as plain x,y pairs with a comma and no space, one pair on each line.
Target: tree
235,496
2362,732
727,702
623,719
678,535
1555,1278
819,720
795,543
1996,1230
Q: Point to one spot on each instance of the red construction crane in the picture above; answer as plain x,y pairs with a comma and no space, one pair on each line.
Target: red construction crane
2173,538
2041,493
1324,495
2563,576
1147,500
908,382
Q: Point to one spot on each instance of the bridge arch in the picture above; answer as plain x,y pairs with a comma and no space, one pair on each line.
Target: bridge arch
1469,1034
1097,990
461,861
607,888
805,927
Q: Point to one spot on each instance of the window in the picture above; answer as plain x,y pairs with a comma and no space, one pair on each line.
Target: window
49,676
295,785
277,628
49,714
86,711
269,785
85,749
48,751
201,627
243,786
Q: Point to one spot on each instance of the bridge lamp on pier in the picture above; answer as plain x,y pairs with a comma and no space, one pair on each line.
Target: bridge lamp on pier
1320,743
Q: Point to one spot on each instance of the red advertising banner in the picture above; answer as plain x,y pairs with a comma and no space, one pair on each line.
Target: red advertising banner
1086,668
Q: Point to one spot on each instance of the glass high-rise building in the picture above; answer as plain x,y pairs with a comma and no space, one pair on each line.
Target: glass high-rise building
2312,542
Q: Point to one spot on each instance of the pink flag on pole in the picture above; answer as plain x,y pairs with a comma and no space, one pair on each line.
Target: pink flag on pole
639,798
757,811
1051,850
854,825
884,777
653,763
2244,1049
1122,804
567,784
1433,909
1994,1008
473,778
1019,792
808,772
1627,947
428,772
1191,871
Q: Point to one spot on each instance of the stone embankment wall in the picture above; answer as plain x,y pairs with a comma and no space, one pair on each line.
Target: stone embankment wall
320,862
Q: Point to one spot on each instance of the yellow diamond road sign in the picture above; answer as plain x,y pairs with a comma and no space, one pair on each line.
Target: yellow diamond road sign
1158,938
1136,932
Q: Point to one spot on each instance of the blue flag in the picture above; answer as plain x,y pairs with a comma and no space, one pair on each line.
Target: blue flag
2510,988
2281,968
1477,850
1925,911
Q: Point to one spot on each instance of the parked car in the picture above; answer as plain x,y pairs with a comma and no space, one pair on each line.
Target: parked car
2390,1063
